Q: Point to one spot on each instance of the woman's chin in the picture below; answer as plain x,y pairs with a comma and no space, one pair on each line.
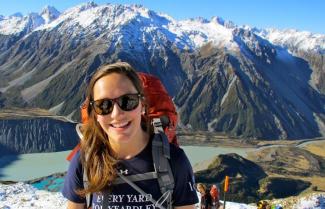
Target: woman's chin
120,139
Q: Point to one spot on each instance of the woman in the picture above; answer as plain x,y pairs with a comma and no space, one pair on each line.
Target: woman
205,202
116,139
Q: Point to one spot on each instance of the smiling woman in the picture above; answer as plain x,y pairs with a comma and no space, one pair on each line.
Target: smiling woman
117,141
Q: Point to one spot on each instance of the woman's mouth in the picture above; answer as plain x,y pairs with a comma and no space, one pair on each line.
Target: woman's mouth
120,125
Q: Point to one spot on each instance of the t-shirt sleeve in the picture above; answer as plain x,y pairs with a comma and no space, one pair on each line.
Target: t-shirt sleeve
73,180
184,192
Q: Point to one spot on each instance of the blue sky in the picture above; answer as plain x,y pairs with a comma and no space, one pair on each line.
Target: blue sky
298,14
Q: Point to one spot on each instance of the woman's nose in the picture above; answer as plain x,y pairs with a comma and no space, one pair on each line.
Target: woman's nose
116,110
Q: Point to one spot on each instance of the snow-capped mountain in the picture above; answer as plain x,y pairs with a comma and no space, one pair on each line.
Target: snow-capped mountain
224,78
17,23
188,34
49,14
197,31
17,14
300,40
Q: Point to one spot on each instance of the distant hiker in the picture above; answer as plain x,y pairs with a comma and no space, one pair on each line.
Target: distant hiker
214,193
114,167
205,202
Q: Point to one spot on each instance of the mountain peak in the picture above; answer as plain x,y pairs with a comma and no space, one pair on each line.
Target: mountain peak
17,14
218,20
199,20
86,6
49,13
48,9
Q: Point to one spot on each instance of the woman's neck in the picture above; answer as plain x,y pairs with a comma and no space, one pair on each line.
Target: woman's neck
126,151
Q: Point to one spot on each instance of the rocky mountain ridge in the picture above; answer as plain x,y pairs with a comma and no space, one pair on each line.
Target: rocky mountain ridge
20,134
224,78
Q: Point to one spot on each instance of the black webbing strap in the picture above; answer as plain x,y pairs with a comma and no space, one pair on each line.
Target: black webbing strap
89,196
161,157
137,177
138,189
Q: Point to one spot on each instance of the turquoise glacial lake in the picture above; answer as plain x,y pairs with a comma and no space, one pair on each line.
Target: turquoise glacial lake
31,166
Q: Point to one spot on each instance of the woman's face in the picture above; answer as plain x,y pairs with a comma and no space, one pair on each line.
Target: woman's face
121,126
200,189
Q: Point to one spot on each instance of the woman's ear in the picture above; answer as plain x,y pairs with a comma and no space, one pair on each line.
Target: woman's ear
143,108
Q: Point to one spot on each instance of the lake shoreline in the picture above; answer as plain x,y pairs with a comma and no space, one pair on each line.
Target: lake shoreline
215,140
200,149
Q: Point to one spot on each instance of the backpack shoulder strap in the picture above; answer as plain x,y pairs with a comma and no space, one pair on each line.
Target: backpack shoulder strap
161,159
89,196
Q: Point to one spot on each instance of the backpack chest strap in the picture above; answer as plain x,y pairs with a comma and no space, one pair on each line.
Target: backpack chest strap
136,177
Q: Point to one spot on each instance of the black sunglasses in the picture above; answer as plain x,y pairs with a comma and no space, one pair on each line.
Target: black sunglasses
126,102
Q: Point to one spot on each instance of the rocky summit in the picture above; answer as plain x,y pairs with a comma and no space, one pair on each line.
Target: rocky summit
248,181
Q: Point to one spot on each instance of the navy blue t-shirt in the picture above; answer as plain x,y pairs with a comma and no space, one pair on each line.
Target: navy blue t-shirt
123,196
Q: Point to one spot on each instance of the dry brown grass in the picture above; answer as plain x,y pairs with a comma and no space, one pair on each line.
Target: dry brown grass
293,161
28,113
23,112
318,148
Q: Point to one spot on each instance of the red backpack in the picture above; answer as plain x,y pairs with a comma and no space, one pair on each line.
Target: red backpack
160,105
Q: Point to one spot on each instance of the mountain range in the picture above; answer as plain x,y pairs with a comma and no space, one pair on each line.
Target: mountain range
241,81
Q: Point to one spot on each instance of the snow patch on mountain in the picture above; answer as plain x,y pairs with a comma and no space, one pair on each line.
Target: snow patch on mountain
302,40
320,123
200,32
12,25
230,86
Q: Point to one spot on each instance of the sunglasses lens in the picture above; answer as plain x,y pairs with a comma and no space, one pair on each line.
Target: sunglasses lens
128,102
103,106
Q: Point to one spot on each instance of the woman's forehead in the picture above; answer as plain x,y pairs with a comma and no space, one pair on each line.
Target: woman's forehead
112,86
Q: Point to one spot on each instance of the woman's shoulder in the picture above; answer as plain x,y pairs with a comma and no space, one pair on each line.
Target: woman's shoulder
178,156
176,151
75,163
76,157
